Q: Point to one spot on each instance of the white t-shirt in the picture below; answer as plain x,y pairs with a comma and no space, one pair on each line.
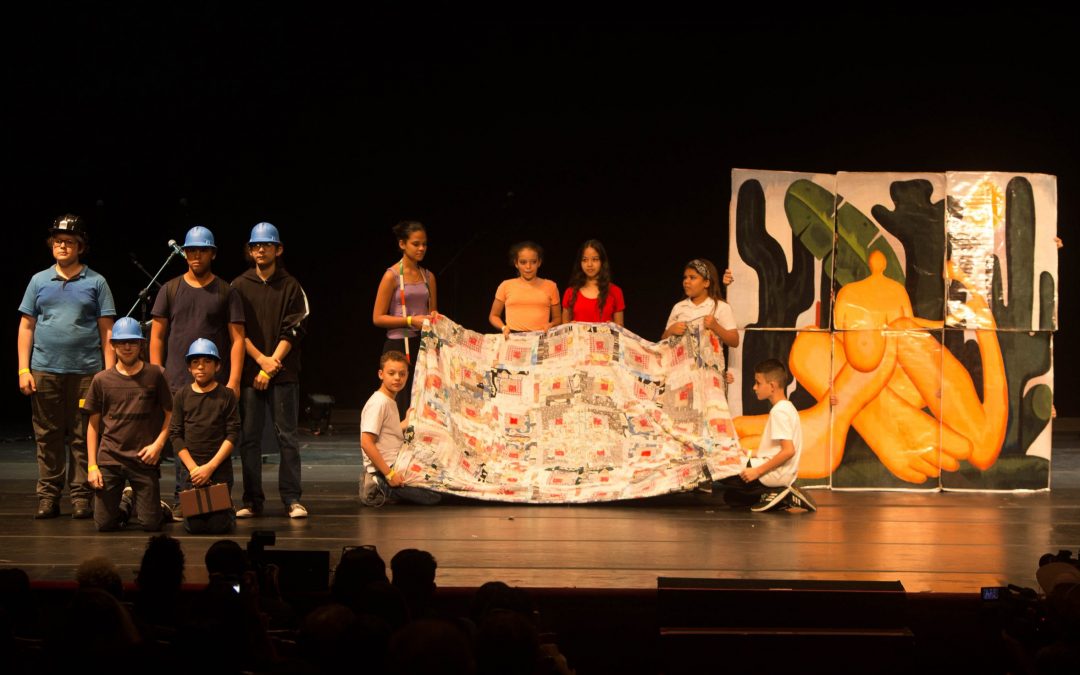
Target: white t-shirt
380,417
783,424
686,310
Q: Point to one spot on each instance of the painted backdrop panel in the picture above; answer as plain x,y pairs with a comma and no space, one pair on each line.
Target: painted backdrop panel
916,263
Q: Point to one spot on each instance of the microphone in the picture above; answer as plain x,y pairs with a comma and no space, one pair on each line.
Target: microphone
176,249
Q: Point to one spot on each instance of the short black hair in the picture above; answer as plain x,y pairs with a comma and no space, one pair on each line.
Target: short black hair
773,371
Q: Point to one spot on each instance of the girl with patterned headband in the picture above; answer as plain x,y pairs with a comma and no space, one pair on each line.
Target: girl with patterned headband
704,288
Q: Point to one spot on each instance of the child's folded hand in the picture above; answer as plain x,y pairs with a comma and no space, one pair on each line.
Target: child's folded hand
150,455
200,475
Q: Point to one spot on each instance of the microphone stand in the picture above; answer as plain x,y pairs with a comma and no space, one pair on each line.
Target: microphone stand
144,295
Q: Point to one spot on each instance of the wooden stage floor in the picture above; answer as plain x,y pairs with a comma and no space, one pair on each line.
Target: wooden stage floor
932,542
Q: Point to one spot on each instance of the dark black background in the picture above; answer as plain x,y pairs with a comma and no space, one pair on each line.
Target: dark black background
147,118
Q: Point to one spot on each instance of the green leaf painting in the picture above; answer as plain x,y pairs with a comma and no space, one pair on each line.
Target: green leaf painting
810,209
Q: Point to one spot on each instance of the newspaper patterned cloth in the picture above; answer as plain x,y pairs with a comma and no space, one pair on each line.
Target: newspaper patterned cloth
580,413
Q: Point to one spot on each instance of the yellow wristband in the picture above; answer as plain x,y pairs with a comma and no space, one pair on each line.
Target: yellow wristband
408,321
264,374
93,467
390,475
23,371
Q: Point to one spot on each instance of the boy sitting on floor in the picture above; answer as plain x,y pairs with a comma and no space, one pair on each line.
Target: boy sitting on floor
381,437
766,482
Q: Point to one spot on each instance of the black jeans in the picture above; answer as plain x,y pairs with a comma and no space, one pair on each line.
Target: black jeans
145,488
739,493
284,402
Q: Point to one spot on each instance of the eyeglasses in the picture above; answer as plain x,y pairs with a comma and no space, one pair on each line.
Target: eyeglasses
65,243
262,244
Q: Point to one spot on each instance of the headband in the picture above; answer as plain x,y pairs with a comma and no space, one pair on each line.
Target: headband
700,267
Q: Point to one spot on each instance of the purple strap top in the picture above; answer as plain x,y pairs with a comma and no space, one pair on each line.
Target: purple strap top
416,302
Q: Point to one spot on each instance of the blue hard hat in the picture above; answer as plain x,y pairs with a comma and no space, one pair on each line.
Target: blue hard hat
264,233
127,328
199,237
202,347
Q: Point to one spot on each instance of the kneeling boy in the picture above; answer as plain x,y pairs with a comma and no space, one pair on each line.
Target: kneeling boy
129,407
766,482
204,430
382,435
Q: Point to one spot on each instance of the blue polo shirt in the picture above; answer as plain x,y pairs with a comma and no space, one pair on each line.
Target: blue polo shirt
66,313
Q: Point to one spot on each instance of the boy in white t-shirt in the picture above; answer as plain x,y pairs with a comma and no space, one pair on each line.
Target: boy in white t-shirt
381,437
766,482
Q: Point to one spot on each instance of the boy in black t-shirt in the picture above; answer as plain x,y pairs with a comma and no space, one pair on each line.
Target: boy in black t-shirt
197,304
129,407
204,430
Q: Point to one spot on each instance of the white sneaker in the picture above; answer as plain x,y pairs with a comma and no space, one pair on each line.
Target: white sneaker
246,512
297,510
166,512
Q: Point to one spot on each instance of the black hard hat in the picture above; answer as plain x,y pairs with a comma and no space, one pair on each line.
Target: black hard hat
69,224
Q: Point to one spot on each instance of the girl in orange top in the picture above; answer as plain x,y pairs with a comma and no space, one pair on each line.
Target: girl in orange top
530,303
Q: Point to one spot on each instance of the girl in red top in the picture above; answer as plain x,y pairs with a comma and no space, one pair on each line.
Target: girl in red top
591,297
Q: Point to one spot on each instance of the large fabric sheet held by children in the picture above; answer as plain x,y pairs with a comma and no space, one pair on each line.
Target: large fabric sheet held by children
580,413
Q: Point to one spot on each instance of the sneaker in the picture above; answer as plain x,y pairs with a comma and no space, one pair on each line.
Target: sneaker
771,500
248,512
371,493
47,508
166,512
127,499
297,510
177,511
798,499
127,505
80,510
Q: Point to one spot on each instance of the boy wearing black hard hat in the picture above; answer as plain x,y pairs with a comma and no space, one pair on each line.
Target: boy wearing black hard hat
67,315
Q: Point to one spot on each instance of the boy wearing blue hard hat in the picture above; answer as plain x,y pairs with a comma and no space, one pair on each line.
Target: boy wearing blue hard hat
195,305
129,408
204,429
275,312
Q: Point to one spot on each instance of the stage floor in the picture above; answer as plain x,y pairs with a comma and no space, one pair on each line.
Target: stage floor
932,542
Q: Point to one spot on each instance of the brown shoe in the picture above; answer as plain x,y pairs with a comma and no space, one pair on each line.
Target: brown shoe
80,510
46,508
